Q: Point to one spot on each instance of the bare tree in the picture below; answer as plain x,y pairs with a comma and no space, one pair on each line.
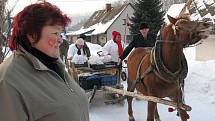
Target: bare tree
5,27
2,20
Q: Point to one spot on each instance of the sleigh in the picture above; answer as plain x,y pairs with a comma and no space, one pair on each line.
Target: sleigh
93,78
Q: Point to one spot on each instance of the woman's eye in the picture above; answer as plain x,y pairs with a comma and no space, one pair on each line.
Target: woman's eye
56,33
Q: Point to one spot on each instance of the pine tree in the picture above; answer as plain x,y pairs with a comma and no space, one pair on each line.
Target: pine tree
149,11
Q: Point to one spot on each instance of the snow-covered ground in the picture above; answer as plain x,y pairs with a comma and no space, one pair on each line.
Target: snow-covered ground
199,94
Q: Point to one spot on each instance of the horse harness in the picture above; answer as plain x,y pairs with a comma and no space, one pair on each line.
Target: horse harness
159,68
139,76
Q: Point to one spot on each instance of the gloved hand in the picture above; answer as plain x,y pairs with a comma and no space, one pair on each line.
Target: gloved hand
119,65
119,62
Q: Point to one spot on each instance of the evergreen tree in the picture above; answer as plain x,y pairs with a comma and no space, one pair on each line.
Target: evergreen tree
149,11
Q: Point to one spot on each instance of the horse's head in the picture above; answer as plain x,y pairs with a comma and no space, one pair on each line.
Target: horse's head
183,30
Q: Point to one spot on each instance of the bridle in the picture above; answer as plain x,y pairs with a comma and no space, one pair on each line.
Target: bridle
176,30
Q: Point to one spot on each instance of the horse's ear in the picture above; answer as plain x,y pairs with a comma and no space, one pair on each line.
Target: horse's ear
171,19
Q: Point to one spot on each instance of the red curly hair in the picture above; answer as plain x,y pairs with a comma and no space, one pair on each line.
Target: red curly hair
32,19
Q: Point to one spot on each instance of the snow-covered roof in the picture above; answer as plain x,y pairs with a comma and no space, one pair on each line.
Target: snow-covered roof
94,29
80,31
174,11
203,10
99,22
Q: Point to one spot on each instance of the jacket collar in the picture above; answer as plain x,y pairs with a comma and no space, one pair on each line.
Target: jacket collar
37,64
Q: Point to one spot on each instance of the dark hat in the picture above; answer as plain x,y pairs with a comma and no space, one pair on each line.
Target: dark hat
143,25
83,36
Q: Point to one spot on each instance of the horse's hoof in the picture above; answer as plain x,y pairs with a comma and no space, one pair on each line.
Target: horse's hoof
131,119
157,120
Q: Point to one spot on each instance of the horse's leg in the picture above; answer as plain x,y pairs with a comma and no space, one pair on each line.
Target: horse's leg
129,100
182,113
151,111
157,117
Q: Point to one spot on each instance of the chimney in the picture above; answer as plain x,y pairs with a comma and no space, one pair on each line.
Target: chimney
108,7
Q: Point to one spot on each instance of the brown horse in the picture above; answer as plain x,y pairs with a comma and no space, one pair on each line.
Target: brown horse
160,71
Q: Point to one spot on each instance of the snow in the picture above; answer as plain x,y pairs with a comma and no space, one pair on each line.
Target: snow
96,28
199,94
93,48
175,9
200,5
82,30
102,28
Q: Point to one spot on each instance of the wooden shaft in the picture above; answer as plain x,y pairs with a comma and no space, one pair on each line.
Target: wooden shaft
149,98
73,71
185,6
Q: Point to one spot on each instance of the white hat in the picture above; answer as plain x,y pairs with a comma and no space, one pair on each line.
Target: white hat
79,41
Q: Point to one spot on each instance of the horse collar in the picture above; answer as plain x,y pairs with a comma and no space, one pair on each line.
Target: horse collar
162,69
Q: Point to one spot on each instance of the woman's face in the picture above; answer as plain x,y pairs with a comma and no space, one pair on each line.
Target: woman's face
80,46
118,37
50,40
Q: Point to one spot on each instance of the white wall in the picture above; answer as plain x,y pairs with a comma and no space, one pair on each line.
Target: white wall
118,24
206,50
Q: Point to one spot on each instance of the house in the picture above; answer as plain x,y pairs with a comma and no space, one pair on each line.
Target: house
100,25
202,10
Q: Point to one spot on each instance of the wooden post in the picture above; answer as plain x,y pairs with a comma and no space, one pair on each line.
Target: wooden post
188,3
149,98
73,71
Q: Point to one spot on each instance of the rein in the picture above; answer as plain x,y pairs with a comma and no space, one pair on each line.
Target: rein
139,77
176,30
169,41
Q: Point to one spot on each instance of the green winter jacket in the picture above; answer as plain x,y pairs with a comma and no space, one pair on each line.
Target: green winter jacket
29,91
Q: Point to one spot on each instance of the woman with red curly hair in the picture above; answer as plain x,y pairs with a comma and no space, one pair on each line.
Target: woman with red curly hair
34,85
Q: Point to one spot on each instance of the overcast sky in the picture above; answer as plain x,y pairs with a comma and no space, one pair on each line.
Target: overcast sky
71,7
